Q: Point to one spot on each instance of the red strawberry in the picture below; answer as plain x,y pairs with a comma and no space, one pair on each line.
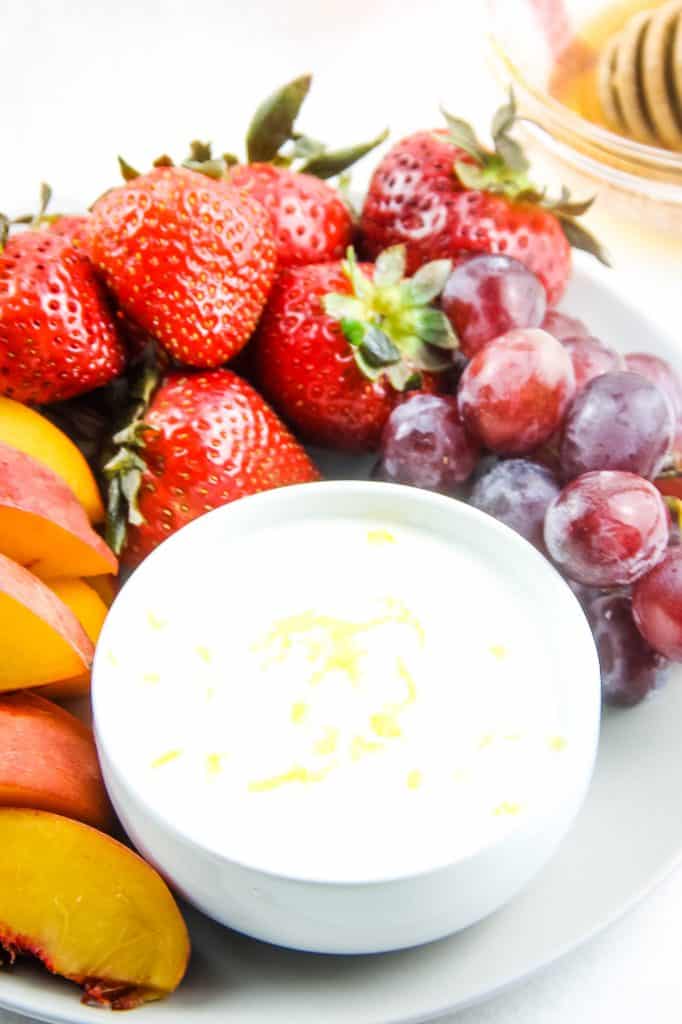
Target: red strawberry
73,227
311,222
189,259
339,343
284,172
207,439
440,194
76,228
57,335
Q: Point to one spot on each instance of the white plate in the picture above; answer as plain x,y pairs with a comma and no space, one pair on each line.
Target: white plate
626,839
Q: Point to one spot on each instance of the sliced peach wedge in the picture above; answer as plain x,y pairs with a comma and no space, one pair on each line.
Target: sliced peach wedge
42,525
89,908
33,434
41,640
91,611
106,587
48,761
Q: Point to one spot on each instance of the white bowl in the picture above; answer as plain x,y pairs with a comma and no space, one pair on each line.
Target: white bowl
255,888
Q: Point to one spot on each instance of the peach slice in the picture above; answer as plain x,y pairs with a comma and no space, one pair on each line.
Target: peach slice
41,640
91,611
33,434
89,908
42,525
48,761
106,587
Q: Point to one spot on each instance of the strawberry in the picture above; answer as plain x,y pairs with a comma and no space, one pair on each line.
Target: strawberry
76,228
73,227
57,334
340,342
284,170
188,258
441,193
312,224
204,440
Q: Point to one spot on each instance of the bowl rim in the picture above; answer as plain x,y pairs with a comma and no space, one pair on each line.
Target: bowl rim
579,642
642,154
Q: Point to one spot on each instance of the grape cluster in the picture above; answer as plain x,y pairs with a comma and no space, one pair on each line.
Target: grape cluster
563,439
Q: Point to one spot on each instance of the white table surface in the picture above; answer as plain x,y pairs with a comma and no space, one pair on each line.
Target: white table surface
83,81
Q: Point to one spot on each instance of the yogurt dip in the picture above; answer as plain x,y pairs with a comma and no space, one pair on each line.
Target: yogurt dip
337,699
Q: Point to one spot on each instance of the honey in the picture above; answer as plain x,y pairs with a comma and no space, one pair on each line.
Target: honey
584,80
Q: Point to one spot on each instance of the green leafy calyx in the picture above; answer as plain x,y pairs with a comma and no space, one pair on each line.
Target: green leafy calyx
389,321
504,170
32,220
272,137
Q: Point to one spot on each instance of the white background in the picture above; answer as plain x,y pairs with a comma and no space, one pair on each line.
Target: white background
83,81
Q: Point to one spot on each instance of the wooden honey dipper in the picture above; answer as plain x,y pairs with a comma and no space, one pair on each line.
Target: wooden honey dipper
639,77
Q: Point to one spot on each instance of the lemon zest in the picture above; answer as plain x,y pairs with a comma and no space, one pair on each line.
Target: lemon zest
170,755
380,536
328,743
299,711
506,808
298,773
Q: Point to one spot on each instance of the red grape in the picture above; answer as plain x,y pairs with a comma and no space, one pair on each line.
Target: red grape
562,326
618,421
677,444
515,391
630,669
657,604
488,295
590,358
548,454
424,444
607,528
517,492
659,372
584,594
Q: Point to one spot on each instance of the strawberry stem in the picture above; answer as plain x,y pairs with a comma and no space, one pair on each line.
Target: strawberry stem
124,463
328,164
33,220
504,171
272,137
273,123
388,319
128,173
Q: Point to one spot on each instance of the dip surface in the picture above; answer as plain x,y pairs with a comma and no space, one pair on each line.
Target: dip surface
338,699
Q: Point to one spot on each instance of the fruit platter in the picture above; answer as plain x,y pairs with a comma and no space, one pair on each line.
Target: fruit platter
249,424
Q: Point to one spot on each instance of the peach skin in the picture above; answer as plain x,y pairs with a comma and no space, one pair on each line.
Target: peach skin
41,640
89,908
48,761
23,428
42,525
91,611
